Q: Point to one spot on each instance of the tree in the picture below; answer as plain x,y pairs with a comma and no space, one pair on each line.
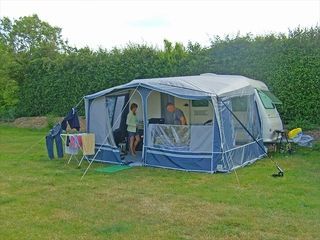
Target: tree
8,87
28,33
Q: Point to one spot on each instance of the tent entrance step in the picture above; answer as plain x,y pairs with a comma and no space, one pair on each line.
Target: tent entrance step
133,160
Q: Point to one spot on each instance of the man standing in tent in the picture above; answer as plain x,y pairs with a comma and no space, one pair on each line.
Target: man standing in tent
178,117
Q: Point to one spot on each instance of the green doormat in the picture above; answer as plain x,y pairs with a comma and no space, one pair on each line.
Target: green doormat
112,169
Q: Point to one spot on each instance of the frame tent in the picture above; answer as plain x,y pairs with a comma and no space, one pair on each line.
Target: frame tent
223,130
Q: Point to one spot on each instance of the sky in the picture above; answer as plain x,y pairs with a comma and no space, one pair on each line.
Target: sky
109,24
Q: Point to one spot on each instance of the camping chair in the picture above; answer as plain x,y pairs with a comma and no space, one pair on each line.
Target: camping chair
282,143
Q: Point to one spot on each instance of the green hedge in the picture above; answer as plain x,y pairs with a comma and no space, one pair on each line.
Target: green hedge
290,66
53,80
53,85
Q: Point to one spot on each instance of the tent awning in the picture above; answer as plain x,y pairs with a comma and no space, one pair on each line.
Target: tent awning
193,87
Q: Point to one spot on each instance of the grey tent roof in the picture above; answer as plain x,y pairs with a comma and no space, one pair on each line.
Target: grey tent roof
198,86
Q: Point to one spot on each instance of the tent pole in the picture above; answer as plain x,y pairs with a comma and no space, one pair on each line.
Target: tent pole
78,103
244,127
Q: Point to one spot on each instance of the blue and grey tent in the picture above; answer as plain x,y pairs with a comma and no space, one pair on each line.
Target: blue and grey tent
223,130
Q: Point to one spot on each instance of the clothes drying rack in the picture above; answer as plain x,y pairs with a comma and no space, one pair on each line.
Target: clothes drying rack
64,139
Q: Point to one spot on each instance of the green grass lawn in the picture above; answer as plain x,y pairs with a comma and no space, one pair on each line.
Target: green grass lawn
43,199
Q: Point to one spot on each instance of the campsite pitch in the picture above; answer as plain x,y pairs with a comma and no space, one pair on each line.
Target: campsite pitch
43,199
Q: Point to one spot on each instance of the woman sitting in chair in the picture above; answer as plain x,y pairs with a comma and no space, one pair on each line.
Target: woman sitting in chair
132,122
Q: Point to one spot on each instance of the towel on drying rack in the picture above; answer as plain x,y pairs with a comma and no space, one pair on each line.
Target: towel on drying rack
88,144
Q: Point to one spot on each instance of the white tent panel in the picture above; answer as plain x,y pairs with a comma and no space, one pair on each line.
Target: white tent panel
99,122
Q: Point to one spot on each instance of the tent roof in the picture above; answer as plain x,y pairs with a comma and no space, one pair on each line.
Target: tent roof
199,86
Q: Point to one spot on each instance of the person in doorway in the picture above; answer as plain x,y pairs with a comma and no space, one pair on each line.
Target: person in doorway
132,122
178,115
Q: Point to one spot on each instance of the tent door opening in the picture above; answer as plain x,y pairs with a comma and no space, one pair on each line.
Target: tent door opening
118,108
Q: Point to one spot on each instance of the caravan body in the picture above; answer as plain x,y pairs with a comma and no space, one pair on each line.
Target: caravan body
269,115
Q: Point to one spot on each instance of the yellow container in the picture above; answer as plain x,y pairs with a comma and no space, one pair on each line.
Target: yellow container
294,132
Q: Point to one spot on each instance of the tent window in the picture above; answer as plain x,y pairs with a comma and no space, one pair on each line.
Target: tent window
181,137
111,102
115,106
165,132
239,104
117,112
236,124
171,136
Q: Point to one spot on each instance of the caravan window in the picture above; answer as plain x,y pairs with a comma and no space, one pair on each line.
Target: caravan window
200,103
266,101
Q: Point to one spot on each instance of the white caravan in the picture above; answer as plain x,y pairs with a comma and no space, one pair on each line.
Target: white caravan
269,115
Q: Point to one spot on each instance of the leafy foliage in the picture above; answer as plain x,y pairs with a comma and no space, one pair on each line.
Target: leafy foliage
41,74
9,87
30,32
290,66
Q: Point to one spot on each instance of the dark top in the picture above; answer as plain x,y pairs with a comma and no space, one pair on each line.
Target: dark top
175,117
72,119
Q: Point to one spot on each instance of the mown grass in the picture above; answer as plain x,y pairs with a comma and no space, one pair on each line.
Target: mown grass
43,199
